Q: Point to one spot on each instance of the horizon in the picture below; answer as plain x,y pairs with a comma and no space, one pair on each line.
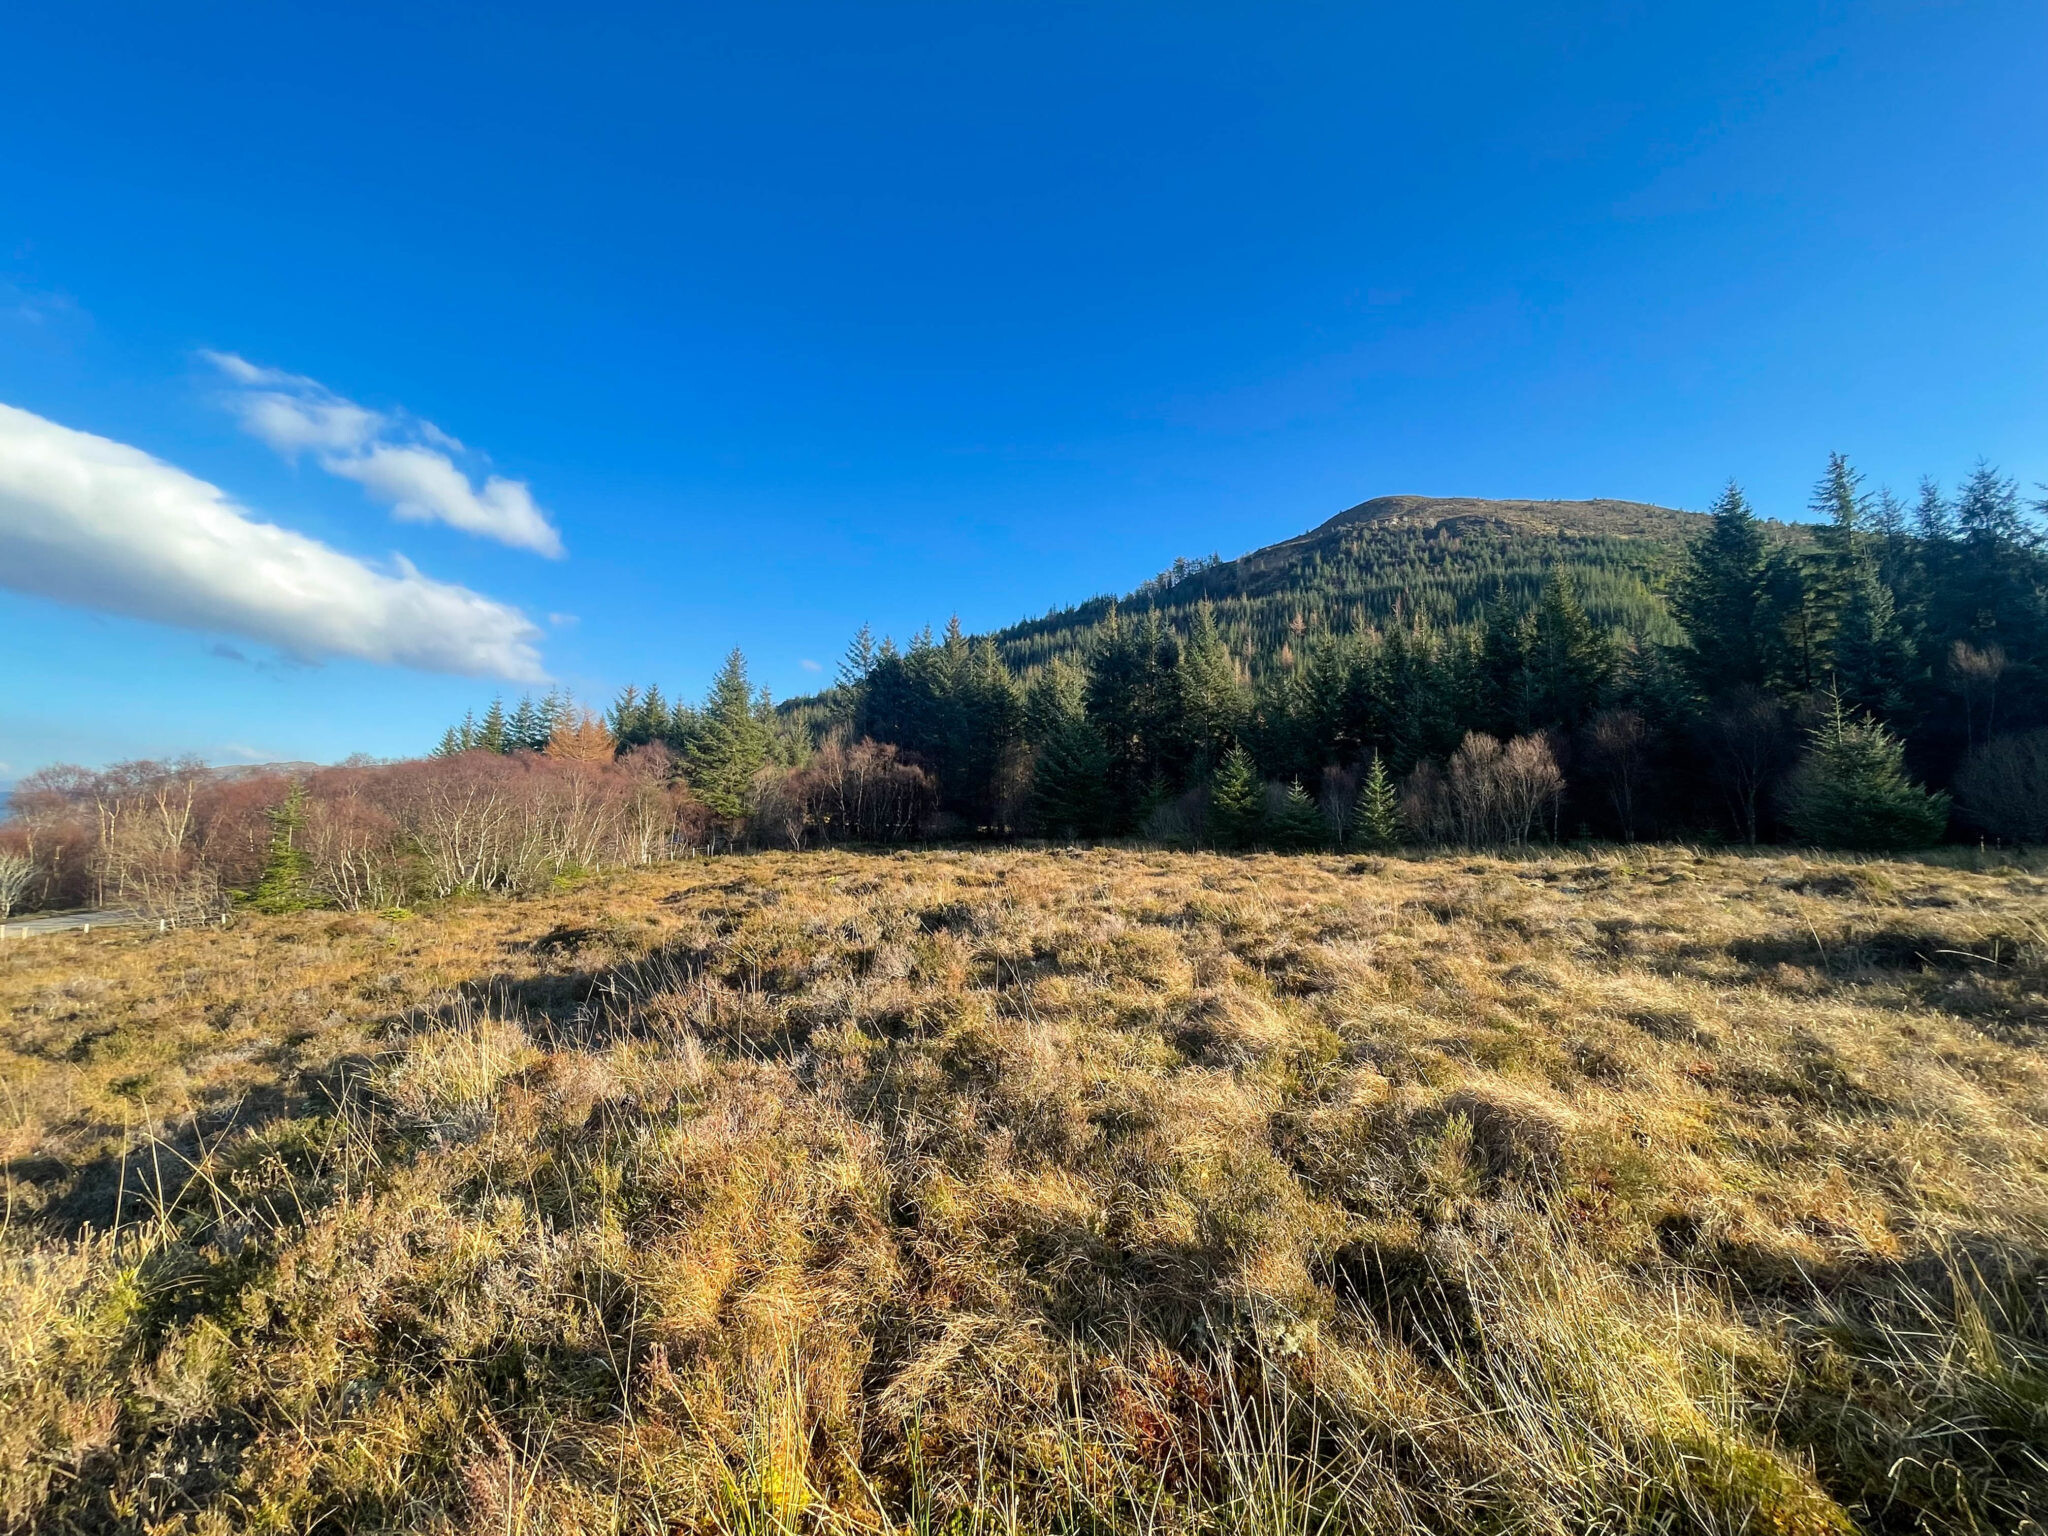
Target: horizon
354,370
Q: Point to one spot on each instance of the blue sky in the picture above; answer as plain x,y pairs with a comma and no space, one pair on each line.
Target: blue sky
784,318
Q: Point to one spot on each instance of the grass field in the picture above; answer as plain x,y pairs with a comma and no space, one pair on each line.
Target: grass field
1104,1191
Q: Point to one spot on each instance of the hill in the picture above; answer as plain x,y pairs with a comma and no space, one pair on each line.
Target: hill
1011,1191
1435,557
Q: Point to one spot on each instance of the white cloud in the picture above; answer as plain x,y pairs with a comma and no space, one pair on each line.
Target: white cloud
399,459
96,523
809,665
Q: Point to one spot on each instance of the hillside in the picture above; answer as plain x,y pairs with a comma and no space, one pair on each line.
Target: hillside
1114,1192
1440,558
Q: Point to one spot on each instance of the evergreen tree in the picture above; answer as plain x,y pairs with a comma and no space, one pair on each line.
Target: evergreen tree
451,743
1796,624
1212,693
1873,661
1933,520
1377,822
1133,696
1069,792
491,735
858,661
523,727
731,744
1838,503
286,884
655,721
1296,823
1721,599
1236,801
625,719
1566,661
1053,700
1852,790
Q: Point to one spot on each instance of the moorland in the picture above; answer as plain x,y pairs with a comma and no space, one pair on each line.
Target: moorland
1025,1189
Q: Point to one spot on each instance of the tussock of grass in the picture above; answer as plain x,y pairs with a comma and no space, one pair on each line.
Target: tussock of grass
1008,1192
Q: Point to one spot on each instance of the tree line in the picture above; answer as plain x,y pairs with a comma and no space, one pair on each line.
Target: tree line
1879,682
1811,687
1875,678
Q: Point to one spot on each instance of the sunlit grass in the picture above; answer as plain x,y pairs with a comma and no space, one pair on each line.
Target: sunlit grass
1111,1191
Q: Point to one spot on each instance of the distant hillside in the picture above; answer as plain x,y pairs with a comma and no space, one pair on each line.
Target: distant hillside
1440,558
1443,558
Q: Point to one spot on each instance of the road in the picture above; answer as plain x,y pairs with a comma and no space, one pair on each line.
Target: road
69,922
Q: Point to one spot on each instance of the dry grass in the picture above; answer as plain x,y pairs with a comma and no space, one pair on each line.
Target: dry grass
1022,1191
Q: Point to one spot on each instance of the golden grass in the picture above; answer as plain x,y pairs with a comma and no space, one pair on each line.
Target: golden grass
1030,1191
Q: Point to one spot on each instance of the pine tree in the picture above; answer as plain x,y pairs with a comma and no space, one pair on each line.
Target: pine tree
1236,801
450,743
731,744
1376,825
286,884
1297,824
1852,790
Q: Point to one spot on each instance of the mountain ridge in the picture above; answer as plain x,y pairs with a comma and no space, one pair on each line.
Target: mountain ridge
1404,556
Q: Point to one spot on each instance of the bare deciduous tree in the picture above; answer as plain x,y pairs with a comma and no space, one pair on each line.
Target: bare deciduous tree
1749,740
1619,740
17,875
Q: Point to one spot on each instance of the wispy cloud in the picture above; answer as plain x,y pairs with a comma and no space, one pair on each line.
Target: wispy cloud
809,665
95,523
399,459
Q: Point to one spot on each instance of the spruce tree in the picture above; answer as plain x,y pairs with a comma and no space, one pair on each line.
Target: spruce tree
1236,801
731,744
1211,691
858,661
1873,660
1296,824
1852,790
1567,661
491,735
1052,700
524,727
286,884
1376,825
1721,600
624,717
1069,793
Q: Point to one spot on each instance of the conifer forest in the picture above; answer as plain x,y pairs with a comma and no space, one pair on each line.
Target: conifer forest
1871,676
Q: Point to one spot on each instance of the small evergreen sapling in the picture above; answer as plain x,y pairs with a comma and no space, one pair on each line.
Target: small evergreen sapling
1236,808
1376,824
1852,790
1297,823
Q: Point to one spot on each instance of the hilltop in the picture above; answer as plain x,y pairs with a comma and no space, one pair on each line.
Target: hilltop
1439,558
